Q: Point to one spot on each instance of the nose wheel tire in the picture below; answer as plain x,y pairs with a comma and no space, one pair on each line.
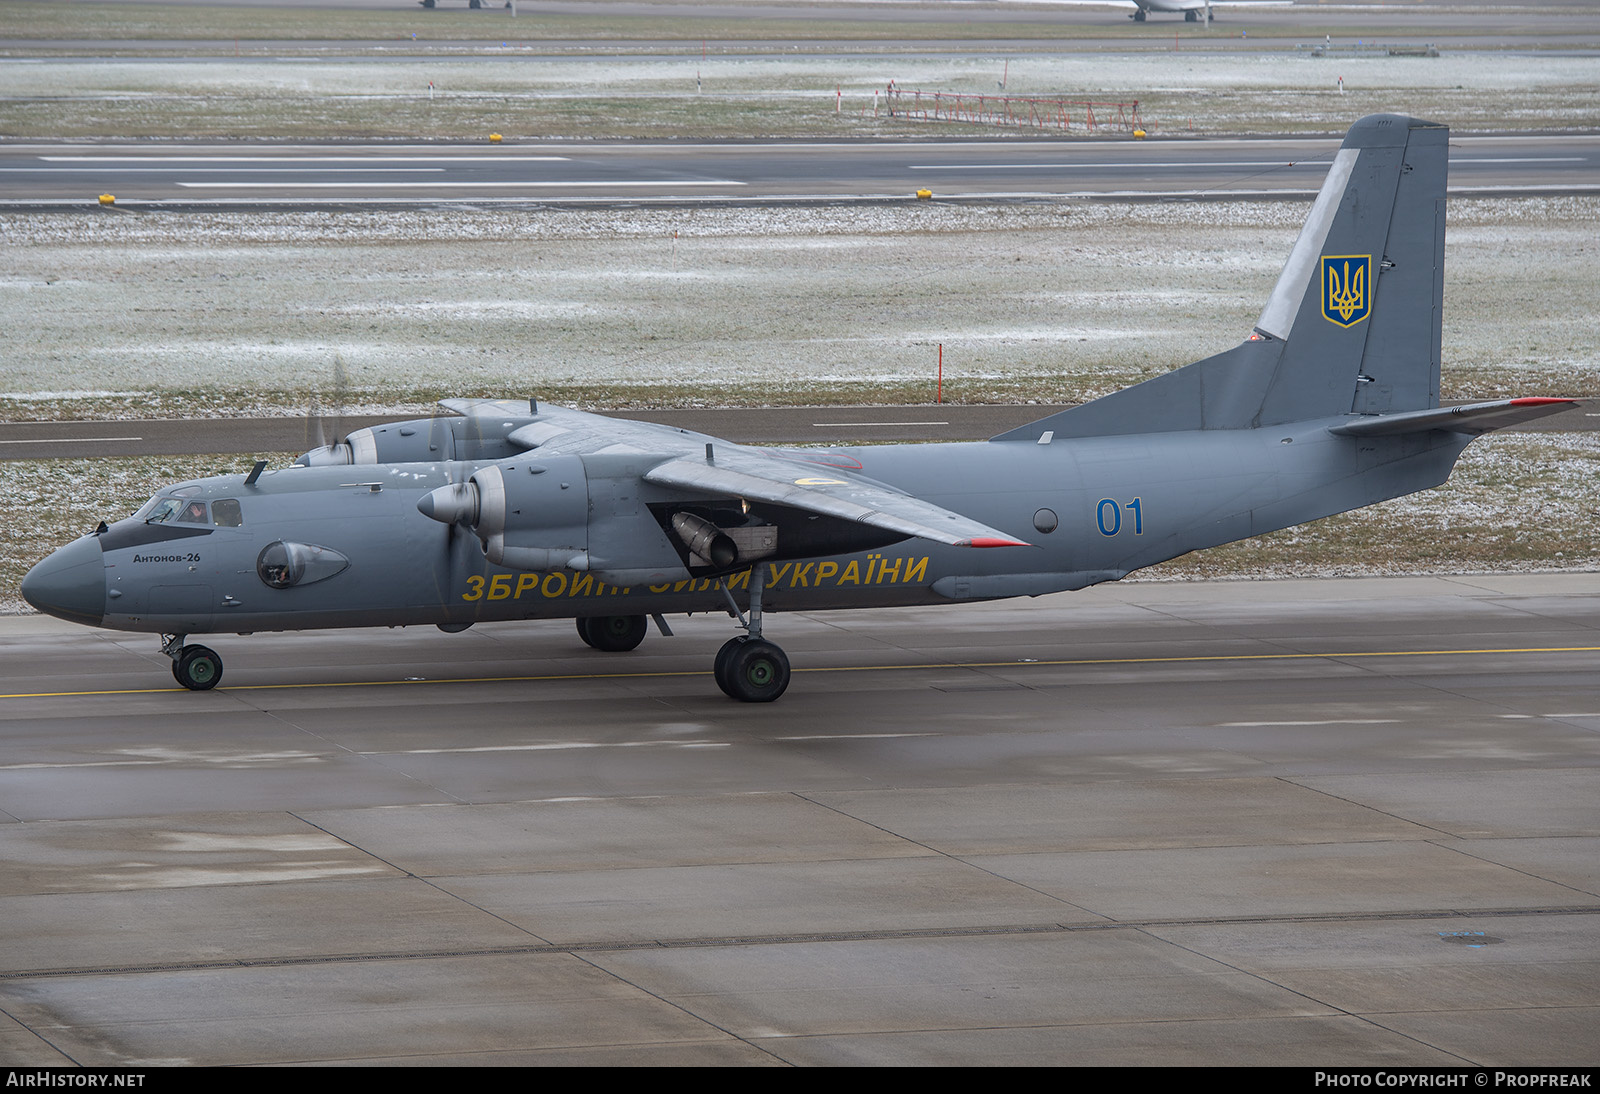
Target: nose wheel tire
752,670
613,633
197,668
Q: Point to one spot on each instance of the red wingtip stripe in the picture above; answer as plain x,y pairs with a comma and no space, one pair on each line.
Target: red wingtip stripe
991,541
1541,401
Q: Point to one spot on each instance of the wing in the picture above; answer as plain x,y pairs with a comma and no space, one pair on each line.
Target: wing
737,472
563,431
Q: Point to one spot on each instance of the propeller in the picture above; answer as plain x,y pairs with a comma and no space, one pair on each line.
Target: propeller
329,452
453,504
456,507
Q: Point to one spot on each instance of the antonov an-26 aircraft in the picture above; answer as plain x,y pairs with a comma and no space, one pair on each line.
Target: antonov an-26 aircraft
513,510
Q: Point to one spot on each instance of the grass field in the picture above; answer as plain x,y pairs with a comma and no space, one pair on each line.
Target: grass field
70,70
730,97
165,314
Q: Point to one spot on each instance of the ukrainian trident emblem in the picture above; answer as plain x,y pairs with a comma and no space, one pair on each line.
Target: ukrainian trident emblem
1346,288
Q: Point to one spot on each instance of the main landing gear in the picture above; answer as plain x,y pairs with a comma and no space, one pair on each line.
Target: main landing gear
612,633
195,667
749,668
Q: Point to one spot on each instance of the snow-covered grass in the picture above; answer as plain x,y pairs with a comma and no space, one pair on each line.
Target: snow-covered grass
1516,502
535,95
158,314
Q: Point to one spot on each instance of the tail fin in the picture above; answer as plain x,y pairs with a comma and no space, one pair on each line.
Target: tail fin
1352,325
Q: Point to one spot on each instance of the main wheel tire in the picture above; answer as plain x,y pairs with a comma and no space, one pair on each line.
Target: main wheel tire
719,669
756,672
614,633
197,668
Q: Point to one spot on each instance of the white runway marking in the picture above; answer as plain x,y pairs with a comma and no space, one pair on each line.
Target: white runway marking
1329,722
1190,166
70,440
619,184
554,746
305,159
825,425
1196,165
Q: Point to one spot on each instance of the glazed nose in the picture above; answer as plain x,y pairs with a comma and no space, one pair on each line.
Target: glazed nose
70,584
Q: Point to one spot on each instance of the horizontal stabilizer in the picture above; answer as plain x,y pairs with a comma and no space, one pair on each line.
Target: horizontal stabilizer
1469,418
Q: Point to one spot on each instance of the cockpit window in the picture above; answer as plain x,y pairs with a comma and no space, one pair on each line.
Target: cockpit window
225,513
161,510
175,505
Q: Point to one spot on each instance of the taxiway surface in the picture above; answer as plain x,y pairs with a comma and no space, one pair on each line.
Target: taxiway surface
796,425
161,174
1330,822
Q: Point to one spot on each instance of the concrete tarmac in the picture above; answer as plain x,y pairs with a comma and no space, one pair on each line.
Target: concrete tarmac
147,175
1309,822
798,425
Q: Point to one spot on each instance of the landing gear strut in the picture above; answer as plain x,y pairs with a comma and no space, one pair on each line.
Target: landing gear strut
748,668
195,667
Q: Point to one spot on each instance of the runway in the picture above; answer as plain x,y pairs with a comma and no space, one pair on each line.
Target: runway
1313,822
204,176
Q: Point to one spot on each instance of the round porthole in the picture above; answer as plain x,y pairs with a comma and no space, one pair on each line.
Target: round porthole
1046,521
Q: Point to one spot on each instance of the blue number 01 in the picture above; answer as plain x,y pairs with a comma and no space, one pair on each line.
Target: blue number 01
1114,525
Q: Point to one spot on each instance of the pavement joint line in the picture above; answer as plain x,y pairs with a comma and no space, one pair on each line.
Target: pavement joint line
926,666
719,941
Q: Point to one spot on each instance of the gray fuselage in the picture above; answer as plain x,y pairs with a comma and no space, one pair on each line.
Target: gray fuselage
1094,508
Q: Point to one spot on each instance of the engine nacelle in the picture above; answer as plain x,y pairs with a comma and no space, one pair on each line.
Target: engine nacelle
527,514
720,548
422,440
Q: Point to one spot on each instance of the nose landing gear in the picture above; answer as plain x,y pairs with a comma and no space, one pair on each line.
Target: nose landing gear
197,668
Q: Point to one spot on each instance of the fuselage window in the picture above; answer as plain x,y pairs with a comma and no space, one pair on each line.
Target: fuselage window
277,567
281,564
225,513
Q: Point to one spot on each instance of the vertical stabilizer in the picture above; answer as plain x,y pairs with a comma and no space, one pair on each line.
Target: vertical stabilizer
1352,325
1358,303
